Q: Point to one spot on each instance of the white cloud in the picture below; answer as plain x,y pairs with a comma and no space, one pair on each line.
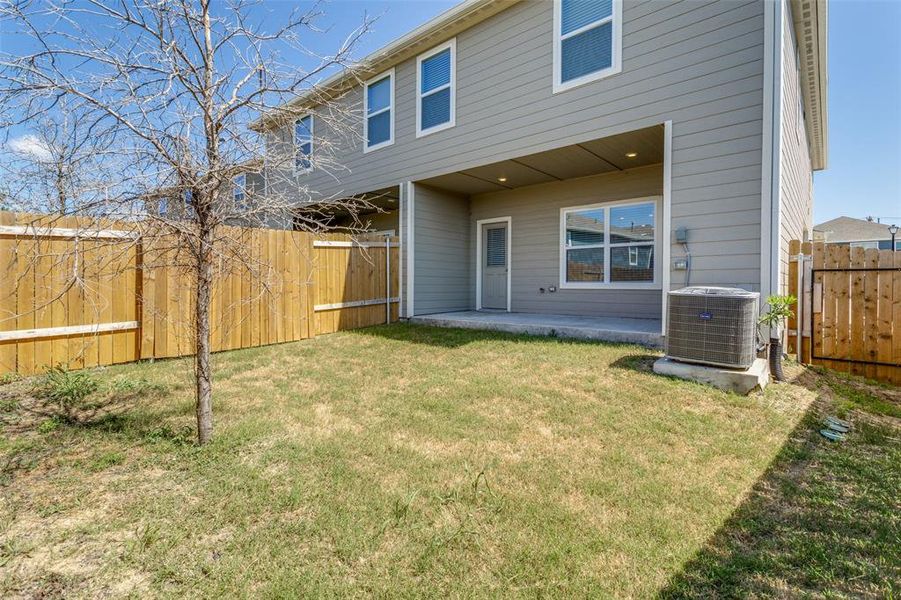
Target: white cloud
30,146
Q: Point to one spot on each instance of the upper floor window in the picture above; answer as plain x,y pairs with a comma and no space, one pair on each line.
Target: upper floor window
303,143
587,41
436,89
378,126
239,189
608,245
187,209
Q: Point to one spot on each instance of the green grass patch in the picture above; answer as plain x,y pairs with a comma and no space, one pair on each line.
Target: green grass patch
412,461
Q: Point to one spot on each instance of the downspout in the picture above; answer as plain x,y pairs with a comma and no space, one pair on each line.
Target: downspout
776,181
667,220
772,148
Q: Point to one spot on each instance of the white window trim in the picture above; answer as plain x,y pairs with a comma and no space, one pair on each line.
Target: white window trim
452,44
298,171
366,115
607,284
616,65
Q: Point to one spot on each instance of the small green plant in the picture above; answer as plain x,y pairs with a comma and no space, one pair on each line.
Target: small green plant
68,390
780,309
107,460
8,378
49,425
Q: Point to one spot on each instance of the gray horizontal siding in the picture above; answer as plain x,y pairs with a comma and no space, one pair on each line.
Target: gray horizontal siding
441,257
535,243
698,64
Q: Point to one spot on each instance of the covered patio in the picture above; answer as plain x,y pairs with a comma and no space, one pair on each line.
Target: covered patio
610,329
568,242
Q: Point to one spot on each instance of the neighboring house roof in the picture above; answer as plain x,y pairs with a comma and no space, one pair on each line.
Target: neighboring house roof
444,26
811,19
847,229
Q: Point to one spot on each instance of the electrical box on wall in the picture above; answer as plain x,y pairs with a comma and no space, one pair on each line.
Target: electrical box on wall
680,264
681,235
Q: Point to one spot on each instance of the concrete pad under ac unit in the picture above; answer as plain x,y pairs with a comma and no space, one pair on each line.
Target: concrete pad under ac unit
740,381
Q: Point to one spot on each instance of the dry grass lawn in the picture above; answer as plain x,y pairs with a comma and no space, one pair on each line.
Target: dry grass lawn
410,461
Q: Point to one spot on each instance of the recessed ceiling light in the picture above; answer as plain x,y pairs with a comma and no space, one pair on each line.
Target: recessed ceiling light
502,179
631,154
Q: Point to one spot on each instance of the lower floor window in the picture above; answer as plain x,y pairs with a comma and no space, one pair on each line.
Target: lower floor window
610,243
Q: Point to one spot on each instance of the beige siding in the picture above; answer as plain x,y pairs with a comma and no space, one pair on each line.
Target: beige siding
698,64
795,174
535,243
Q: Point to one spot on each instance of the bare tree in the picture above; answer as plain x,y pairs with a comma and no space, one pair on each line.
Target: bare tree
54,162
172,87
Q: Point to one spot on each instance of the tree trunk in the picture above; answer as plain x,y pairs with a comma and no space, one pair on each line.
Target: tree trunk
203,374
60,190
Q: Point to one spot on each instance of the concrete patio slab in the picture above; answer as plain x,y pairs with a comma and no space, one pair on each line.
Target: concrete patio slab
740,381
610,329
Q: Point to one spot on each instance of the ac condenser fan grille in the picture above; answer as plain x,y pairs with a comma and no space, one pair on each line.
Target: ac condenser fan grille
715,326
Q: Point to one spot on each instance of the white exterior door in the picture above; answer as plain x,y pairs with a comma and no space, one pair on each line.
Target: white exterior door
494,265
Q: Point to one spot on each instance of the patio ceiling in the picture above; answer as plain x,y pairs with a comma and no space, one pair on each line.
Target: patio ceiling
386,200
578,160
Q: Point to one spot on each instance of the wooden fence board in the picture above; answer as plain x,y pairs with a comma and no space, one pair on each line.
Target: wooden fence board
56,279
75,312
806,296
105,301
896,320
794,248
90,268
25,278
857,298
817,284
8,298
884,327
858,326
870,333
246,297
59,347
43,288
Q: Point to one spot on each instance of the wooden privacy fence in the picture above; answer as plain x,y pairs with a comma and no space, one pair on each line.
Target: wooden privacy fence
848,317
82,298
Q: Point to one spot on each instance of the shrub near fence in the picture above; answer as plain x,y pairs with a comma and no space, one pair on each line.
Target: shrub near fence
130,301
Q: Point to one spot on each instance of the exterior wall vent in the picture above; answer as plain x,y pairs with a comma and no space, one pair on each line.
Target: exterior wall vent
713,326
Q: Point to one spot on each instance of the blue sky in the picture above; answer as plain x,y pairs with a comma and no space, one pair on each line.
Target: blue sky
864,171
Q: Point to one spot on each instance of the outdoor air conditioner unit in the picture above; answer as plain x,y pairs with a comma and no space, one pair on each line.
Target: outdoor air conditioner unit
713,326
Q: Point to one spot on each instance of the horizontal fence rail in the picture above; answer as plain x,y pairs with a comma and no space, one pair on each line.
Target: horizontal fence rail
849,310
77,296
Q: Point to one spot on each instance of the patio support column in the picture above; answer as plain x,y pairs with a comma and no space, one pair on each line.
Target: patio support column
405,222
667,217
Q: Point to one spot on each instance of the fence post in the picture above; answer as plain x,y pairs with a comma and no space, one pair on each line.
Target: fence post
139,296
806,298
387,279
794,289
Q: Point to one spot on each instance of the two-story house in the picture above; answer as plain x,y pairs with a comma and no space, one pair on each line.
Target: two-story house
582,157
